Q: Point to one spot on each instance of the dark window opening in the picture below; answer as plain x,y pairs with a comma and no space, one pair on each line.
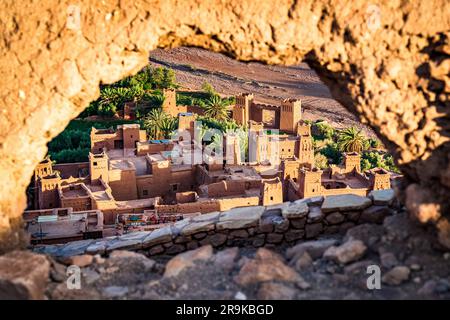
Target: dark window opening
145,192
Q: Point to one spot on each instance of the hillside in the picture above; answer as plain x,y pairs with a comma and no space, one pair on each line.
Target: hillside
269,84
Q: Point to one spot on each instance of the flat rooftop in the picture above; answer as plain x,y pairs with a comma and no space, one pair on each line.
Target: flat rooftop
98,192
353,182
127,160
74,191
138,203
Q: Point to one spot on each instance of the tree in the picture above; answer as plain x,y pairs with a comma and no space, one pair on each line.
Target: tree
321,130
374,159
152,123
209,89
168,80
352,140
216,108
374,143
168,125
159,125
331,152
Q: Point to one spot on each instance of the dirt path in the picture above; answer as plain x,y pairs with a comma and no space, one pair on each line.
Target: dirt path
269,84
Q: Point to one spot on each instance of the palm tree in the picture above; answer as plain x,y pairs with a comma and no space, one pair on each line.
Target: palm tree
216,108
157,100
352,140
167,126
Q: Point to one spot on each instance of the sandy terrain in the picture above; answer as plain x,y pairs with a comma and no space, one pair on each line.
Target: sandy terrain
269,84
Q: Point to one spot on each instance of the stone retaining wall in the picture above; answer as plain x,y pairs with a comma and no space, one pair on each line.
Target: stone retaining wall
247,226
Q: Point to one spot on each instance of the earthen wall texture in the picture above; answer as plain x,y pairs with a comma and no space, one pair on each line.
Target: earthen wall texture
386,60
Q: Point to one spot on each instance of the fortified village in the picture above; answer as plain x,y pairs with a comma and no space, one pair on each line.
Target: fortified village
134,184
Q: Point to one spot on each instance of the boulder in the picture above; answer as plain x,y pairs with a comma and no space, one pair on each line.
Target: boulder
275,291
216,240
225,259
81,261
350,251
158,236
295,210
196,227
267,266
114,292
335,218
313,230
302,261
239,218
274,238
396,276
375,214
123,245
187,259
23,275
73,248
382,197
293,235
314,248
315,215
370,234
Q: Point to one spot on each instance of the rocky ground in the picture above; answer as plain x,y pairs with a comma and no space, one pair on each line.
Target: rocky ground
269,84
333,267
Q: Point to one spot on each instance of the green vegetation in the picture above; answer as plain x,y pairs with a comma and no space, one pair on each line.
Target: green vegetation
159,125
352,140
209,89
330,144
144,89
320,161
216,108
376,159
74,144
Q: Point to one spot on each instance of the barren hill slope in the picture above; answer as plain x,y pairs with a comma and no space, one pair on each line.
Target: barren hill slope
269,84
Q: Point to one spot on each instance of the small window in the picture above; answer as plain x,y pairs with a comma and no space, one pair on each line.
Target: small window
271,198
174,187
95,163
131,136
145,192
50,204
313,190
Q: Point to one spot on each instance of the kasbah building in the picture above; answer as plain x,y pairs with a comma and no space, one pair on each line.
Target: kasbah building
131,183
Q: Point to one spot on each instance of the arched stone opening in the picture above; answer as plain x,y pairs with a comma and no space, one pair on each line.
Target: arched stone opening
388,61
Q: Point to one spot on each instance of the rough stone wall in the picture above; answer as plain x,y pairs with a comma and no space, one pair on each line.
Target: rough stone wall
286,223
388,60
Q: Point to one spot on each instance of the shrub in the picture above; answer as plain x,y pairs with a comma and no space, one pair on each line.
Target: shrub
322,131
320,161
209,89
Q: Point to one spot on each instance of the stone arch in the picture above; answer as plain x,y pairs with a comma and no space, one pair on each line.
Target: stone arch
386,60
